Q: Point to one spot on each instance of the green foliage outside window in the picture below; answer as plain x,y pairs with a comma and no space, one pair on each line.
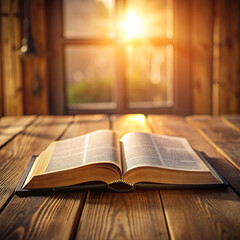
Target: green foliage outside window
87,91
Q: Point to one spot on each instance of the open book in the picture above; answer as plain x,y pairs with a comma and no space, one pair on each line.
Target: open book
138,158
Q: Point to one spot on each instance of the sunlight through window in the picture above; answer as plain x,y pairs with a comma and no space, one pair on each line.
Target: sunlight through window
117,54
132,26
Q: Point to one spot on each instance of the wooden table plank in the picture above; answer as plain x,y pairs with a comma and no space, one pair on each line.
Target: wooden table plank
136,215
197,214
124,124
15,156
232,121
225,139
83,124
46,217
49,217
11,126
202,214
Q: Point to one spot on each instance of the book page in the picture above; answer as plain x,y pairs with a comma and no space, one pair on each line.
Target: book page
143,149
96,147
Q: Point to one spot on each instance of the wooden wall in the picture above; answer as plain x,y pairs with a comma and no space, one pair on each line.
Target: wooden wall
35,67
202,45
23,82
226,79
11,72
215,56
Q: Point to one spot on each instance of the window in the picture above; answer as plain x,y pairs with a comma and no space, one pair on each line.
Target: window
112,56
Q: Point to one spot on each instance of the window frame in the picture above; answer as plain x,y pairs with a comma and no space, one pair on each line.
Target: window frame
181,63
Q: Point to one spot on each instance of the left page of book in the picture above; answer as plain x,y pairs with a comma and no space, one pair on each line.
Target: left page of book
95,148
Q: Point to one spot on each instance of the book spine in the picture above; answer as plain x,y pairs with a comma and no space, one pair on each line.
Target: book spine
121,186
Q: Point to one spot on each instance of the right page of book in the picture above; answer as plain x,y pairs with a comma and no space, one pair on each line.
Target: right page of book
152,150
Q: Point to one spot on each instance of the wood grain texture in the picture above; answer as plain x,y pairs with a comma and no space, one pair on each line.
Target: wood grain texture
51,217
83,124
225,139
11,66
182,57
197,214
11,126
177,126
1,80
15,156
227,84
190,214
35,66
136,215
202,31
202,214
55,216
57,100
216,60
232,121
230,57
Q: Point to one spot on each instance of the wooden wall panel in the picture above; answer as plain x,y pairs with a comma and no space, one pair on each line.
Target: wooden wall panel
182,57
202,30
35,66
226,90
10,62
55,63
216,49
215,57
1,88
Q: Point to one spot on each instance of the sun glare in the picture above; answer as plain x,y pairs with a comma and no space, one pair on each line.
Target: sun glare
132,26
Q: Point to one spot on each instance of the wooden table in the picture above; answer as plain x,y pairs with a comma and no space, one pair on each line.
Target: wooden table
142,214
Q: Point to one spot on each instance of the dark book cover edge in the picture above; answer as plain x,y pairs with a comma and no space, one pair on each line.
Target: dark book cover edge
20,191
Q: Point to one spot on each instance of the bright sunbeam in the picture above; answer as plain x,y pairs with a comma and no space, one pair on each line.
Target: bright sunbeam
132,26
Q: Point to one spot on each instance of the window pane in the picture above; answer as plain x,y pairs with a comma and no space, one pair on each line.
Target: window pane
149,75
88,18
151,18
89,72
